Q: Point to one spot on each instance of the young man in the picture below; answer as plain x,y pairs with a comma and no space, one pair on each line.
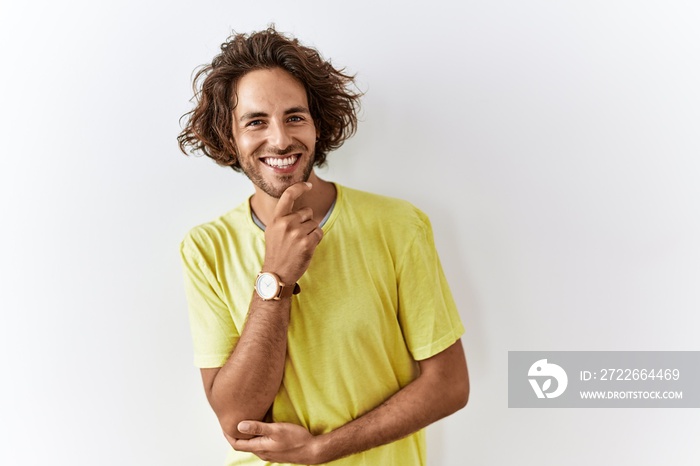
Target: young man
321,319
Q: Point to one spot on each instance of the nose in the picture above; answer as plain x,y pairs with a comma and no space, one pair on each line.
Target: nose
279,137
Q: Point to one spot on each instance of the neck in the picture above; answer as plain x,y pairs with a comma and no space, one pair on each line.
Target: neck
319,199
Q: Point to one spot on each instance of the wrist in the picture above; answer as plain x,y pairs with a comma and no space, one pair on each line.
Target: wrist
288,271
281,272
320,449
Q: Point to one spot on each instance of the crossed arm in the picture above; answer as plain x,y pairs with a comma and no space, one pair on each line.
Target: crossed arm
441,389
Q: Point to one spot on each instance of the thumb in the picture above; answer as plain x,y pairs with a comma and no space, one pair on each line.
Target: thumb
252,427
285,204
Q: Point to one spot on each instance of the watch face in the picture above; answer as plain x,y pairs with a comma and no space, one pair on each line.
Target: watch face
266,285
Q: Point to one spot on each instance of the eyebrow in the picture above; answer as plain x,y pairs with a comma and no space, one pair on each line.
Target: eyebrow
289,111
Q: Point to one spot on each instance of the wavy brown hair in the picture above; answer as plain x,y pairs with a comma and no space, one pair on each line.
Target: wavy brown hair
332,103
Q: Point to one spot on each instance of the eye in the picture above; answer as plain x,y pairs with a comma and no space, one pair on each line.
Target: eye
254,123
295,118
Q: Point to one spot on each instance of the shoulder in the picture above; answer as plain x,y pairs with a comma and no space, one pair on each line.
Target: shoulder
213,235
385,210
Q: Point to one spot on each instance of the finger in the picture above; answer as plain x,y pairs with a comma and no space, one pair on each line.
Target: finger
317,232
253,445
291,194
305,214
312,239
253,428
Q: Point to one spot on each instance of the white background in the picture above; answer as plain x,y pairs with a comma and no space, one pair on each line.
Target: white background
554,145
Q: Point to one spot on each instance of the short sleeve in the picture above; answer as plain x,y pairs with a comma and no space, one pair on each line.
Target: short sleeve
214,333
427,312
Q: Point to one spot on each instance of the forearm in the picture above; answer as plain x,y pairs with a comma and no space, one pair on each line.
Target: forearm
441,389
414,407
245,387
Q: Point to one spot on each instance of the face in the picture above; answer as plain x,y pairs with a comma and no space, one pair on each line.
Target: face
273,130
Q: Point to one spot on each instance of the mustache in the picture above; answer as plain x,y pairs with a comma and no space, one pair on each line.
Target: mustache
280,152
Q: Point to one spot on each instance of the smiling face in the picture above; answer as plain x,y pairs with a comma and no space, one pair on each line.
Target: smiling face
273,130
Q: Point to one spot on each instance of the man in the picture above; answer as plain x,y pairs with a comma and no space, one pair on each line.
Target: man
321,319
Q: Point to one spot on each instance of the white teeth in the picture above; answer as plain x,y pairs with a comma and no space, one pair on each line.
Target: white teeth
281,163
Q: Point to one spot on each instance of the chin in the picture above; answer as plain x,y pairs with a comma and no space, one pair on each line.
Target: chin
276,185
279,187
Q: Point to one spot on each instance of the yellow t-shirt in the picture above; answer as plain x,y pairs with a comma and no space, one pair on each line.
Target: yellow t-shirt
373,302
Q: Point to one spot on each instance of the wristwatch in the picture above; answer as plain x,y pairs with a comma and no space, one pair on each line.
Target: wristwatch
270,288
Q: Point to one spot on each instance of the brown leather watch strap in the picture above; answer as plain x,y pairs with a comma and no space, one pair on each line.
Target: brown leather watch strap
289,290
